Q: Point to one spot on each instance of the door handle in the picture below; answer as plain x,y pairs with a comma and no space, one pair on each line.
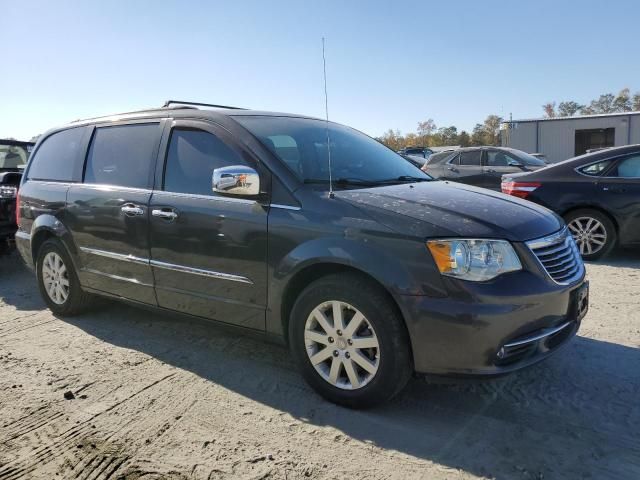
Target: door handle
453,169
614,190
132,210
491,170
165,214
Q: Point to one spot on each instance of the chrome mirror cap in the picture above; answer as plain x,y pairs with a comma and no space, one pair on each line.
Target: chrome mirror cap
236,180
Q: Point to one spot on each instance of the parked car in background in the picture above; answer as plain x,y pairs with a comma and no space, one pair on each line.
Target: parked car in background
597,194
436,157
13,159
481,166
423,152
229,215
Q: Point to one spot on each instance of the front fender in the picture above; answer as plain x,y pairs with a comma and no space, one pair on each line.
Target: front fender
400,266
355,253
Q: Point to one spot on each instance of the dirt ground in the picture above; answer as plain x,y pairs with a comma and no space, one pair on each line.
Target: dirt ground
158,396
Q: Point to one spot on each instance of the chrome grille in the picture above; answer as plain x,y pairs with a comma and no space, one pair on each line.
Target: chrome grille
559,256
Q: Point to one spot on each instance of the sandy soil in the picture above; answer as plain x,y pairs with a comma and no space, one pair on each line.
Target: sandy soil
160,397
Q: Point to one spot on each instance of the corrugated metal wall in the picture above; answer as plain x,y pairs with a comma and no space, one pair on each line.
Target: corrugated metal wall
521,136
556,138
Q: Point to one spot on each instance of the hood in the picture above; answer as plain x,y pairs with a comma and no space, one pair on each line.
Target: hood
440,209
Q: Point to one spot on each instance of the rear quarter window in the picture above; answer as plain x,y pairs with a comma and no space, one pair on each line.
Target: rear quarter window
57,158
595,169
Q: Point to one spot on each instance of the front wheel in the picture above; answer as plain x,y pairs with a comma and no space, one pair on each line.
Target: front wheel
349,341
593,232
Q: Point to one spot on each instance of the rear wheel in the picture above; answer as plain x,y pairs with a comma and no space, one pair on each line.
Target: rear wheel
593,232
349,341
58,281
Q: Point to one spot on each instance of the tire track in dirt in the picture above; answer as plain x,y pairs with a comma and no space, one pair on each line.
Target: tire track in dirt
66,441
18,330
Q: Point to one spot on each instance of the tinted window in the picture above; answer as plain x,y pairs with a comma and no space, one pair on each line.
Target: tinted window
496,158
354,156
455,160
628,168
470,158
439,157
526,159
57,156
13,156
191,159
595,169
122,155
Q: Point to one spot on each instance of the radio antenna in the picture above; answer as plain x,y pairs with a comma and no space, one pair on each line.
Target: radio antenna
326,112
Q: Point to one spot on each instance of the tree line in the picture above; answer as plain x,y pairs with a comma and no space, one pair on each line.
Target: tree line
605,103
429,135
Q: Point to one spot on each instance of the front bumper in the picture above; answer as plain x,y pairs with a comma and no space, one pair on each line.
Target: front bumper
493,328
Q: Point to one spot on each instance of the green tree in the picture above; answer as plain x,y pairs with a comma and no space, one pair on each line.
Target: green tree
569,108
492,128
478,136
622,102
604,104
549,109
464,140
393,139
425,130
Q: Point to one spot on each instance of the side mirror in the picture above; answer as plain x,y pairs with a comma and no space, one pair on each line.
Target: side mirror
236,180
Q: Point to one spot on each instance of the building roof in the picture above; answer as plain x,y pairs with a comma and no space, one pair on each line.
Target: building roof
574,117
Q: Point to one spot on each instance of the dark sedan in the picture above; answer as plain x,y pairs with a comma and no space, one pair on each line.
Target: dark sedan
481,166
598,195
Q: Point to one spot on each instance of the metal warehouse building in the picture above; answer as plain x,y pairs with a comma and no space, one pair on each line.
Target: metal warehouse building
560,138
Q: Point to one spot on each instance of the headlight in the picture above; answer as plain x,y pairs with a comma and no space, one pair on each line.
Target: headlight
475,260
8,192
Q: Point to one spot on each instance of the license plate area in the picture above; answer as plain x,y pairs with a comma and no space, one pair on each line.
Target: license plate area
580,302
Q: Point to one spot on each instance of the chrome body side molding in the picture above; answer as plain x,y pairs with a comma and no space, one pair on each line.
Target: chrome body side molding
115,256
200,271
284,207
167,266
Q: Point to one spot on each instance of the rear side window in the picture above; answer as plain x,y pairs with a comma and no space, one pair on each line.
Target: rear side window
596,169
627,168
122,155
57,156
191,159
471,158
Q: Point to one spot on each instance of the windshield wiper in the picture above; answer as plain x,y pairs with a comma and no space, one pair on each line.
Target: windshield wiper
343,181
406,178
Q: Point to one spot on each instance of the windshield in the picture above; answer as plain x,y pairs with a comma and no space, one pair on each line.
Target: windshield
527,159
355,158
13,156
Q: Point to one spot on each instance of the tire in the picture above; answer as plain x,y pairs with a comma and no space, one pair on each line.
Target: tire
593,231
388,366
50,255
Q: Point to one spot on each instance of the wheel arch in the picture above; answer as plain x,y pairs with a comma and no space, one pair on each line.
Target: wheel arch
46,227
312,272
598,209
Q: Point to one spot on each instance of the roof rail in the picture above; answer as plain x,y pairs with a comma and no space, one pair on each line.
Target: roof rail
180,102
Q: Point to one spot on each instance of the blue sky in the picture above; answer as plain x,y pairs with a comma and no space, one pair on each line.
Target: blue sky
390,63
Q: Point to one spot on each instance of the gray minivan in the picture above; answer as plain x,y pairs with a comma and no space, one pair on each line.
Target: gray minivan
305,231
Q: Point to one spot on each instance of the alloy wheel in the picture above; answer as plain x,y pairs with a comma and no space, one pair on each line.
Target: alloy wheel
589,233
55,278
342,345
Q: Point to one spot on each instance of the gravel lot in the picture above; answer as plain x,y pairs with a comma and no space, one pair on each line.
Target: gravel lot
158,396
